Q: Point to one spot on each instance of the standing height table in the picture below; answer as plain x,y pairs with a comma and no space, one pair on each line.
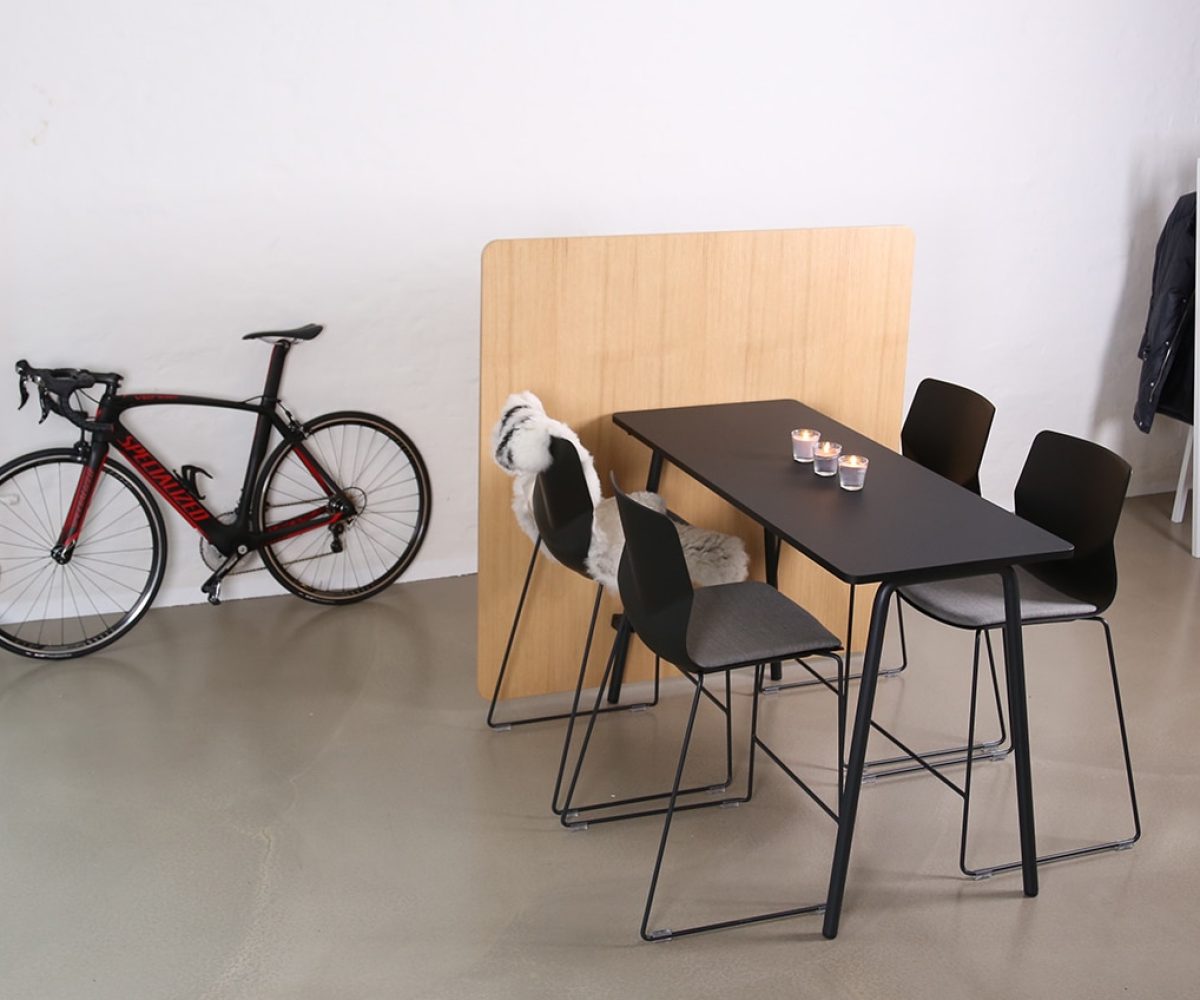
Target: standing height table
907,526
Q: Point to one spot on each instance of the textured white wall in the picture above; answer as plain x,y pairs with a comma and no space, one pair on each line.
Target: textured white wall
176,175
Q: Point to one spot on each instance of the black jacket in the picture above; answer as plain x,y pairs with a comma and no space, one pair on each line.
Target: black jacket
1168,345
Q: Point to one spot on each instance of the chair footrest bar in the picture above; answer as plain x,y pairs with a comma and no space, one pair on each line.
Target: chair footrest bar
826,681
979,751
597,820
650,797
876,775
668,935
1046,859
504,727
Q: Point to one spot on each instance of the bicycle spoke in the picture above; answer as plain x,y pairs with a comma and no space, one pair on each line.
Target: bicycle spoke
380,527
21,560
95,523
109,562
95,513
75,603
385,470
109,538
38,531
34,570
91,573
46,606
48,573
37,474
380,445
87,593
363,536
22,544
382,544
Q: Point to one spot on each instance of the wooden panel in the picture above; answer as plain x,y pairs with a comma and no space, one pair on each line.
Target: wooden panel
594,325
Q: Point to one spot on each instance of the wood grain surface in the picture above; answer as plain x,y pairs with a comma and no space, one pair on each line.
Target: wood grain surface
594,325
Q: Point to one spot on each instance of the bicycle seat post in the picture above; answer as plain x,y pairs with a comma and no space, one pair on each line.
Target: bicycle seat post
262,429
275,371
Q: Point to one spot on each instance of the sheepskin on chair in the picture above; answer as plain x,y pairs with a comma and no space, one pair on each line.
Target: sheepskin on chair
521,447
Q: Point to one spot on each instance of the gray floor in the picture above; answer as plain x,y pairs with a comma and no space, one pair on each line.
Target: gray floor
271,799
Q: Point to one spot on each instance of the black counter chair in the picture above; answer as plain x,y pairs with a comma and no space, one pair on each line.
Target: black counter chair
562,509
946,430
563,512
706,631
1075,489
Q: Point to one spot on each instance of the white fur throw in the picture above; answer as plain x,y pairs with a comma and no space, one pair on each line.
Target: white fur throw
521,447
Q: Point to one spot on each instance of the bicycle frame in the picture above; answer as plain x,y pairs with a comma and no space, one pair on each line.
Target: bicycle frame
238,537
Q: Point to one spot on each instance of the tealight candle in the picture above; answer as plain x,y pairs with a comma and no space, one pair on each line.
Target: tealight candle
852,472
803,443
825,458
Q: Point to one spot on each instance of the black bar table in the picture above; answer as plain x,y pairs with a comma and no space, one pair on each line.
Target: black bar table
906,526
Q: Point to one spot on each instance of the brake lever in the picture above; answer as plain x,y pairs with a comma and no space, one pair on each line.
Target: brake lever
24,392
44,400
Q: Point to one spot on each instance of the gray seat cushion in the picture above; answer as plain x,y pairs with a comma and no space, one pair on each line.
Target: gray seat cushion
978,601
751,622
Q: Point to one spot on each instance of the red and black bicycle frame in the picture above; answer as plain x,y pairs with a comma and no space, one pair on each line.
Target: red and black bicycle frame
239,536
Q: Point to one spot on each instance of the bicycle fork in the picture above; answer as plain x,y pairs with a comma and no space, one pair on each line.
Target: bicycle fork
81,502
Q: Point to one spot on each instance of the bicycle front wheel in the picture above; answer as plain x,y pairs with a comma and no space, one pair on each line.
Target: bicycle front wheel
379,472
57,610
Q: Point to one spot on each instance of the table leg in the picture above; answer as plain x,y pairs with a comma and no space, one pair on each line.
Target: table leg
1014,669
848,807
653,477
771,548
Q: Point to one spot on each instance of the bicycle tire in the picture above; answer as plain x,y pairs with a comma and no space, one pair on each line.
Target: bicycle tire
373,462
107,590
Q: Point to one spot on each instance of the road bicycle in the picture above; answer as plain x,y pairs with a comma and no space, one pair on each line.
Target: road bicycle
337,511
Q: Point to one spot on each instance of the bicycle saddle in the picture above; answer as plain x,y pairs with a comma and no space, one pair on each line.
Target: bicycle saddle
300,333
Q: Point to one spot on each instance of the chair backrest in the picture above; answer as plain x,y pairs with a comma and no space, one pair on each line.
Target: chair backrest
653,579
946,431
562,507
1075,489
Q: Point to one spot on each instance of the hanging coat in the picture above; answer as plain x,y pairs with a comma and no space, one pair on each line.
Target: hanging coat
1168,345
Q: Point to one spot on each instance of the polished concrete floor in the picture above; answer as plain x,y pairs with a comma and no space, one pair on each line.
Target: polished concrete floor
271,800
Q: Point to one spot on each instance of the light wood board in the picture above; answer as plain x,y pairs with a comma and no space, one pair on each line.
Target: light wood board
595,325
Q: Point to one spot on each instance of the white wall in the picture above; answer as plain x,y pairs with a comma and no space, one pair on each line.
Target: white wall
174,175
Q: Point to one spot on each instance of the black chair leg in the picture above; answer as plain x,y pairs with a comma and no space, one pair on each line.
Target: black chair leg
670,814
512,634
574,713
1079,852
666,934
573,816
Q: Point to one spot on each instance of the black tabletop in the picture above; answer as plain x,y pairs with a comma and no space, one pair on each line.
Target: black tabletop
907,523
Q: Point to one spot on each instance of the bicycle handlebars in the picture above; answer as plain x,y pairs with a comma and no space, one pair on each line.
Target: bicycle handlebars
56,386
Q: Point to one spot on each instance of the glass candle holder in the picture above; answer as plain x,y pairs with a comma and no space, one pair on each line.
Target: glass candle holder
825,458
852,472
803,443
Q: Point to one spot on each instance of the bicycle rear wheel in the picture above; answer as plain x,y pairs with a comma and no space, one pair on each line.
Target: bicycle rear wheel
380,472
54,610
